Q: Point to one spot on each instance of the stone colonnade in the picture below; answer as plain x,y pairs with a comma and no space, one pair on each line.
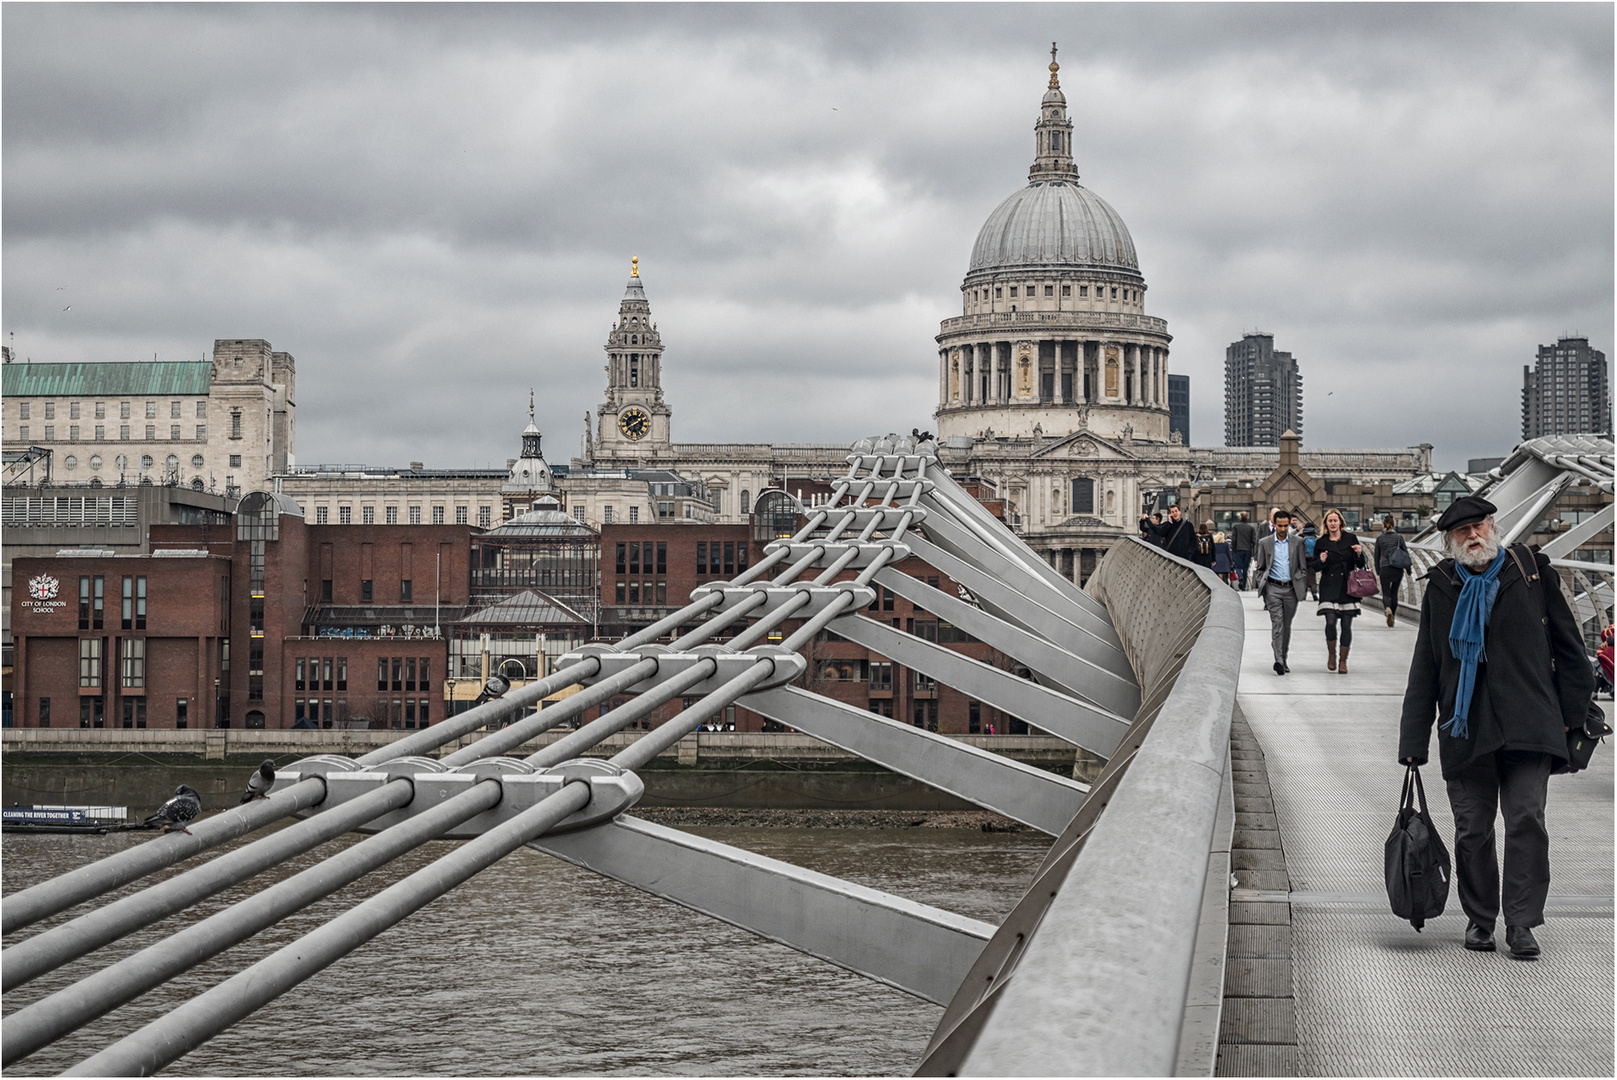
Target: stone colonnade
1063,372
1075,563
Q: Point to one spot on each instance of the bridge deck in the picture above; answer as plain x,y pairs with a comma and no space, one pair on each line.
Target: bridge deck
1373,997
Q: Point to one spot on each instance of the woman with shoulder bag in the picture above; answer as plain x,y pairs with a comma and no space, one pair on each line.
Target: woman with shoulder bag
1392,559
1337,554
1223,564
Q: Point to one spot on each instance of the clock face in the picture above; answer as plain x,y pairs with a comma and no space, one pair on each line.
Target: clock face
635,423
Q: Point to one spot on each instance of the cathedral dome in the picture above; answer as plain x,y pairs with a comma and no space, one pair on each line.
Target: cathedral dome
1054,223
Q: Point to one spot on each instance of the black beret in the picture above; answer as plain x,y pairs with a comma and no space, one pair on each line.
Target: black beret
1466,510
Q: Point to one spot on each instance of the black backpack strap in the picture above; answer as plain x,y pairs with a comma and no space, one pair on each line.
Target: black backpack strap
1530,578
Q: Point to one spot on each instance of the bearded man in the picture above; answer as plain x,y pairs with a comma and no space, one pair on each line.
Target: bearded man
1501,664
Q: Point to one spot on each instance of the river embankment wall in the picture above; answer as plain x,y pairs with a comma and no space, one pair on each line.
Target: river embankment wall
733,770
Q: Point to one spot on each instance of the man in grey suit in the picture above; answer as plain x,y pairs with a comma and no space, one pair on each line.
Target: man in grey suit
1280,569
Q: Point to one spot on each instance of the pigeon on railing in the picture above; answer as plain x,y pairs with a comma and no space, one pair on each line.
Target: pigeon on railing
182,808
259,784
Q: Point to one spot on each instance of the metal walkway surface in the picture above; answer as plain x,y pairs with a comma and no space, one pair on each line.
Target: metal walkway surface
1374,998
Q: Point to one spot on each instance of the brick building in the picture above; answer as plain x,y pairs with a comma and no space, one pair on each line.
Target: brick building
261,623
132,641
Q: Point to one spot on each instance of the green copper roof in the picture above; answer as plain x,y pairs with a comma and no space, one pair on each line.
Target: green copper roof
106,380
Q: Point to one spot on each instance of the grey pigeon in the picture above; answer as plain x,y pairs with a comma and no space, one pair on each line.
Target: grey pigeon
178,811
259,784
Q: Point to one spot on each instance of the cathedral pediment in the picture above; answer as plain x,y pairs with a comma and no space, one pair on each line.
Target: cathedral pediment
1084,446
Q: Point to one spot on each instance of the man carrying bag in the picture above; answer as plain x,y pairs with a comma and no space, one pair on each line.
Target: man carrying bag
1500,664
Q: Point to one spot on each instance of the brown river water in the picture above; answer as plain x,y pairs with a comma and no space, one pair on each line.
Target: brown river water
536,967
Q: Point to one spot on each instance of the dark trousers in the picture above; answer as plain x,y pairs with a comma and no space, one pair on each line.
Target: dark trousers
1239,561
1391,578
1518,782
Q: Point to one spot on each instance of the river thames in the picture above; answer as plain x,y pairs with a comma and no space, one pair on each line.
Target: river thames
536,967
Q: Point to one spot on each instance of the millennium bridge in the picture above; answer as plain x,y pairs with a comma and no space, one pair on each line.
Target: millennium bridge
1211,904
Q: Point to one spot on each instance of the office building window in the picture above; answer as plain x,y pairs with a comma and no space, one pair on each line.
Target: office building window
485,516
406,591
235,461
123,432
415,515
134,662
92,602
345,515
89,662
182,713
174,410
235,423
392,515
134,603
202,432
202,410
437,515
134,712
44,712
367,515
321,515
23,410
174,432
365,591
462,515
123,410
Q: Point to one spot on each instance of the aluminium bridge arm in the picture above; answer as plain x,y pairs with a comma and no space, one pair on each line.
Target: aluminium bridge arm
1005,601
1069,672
1078,722
921,950
1022,793
993,532
956,539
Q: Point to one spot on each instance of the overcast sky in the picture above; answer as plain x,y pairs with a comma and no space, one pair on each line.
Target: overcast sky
433,208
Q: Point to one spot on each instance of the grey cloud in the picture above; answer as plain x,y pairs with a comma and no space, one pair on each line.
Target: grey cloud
432,206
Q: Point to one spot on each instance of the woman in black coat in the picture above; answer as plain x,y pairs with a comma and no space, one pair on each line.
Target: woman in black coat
1391,576
1336,553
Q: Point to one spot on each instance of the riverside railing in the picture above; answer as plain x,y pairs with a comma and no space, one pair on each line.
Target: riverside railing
1090,973
1103,671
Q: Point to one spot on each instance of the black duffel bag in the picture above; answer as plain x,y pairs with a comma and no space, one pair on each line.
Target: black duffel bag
1417,861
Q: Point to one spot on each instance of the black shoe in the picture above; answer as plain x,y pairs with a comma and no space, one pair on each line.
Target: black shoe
1479,938
1521,943
1280,669
1286,666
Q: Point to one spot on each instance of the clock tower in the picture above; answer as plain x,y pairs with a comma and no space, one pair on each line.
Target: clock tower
633,421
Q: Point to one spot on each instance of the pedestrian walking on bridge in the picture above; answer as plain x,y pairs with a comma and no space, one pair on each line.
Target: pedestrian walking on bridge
1500,663
1392,558
1243,542
1281,571
1335,555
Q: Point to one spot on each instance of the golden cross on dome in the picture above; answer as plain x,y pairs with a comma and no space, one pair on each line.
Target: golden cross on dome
530,403
1055,84
634,266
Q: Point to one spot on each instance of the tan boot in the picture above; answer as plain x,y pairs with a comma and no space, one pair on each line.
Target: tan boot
1341,667
1330,652
1391,617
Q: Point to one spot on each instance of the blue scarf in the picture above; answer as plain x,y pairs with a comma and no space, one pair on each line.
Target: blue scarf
1471,613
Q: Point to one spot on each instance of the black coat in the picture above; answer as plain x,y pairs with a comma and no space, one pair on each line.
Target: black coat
1177,538
1333,572
1535,683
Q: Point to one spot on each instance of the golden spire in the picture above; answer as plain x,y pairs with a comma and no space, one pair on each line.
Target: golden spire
634,266
530,404
1055,83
